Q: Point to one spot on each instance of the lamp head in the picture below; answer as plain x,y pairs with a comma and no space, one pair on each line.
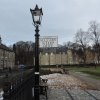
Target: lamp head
36,15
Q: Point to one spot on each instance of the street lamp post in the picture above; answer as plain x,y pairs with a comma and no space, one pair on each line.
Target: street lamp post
36,16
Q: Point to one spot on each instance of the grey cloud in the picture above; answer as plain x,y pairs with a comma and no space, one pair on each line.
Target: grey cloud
61,17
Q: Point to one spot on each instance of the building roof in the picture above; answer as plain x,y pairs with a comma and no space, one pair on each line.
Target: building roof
4,47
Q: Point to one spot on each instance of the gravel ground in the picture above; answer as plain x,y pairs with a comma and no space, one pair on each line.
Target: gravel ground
62,80
67,87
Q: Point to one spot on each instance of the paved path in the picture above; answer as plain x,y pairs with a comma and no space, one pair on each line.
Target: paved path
87,79
73,94
67,87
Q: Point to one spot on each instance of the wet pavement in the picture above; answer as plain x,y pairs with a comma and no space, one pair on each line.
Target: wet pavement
67,87
72,94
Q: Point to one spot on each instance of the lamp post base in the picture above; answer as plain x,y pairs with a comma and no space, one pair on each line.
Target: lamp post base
36,86
36,92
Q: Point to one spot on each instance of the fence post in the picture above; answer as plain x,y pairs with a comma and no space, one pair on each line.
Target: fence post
6,89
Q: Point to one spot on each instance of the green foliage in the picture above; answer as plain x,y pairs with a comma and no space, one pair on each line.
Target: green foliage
94,72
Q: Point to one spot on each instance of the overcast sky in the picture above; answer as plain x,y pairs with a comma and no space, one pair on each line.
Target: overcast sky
61,18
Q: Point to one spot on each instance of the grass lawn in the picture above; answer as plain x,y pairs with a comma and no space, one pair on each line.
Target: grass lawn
94,72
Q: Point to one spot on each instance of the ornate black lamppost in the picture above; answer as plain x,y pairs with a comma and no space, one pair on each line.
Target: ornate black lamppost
36,16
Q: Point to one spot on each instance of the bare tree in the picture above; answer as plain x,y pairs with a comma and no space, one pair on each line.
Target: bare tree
68,44
94,33
24,52
82,39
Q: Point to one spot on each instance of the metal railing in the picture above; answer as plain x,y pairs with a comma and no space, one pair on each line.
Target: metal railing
19,88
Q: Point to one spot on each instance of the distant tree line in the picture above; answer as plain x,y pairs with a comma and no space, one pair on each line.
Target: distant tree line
24,52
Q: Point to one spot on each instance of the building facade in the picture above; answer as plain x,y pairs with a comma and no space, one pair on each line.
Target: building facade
64,56
7,57
56,57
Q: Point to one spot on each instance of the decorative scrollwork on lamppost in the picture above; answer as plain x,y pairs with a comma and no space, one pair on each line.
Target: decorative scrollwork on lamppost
37,17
